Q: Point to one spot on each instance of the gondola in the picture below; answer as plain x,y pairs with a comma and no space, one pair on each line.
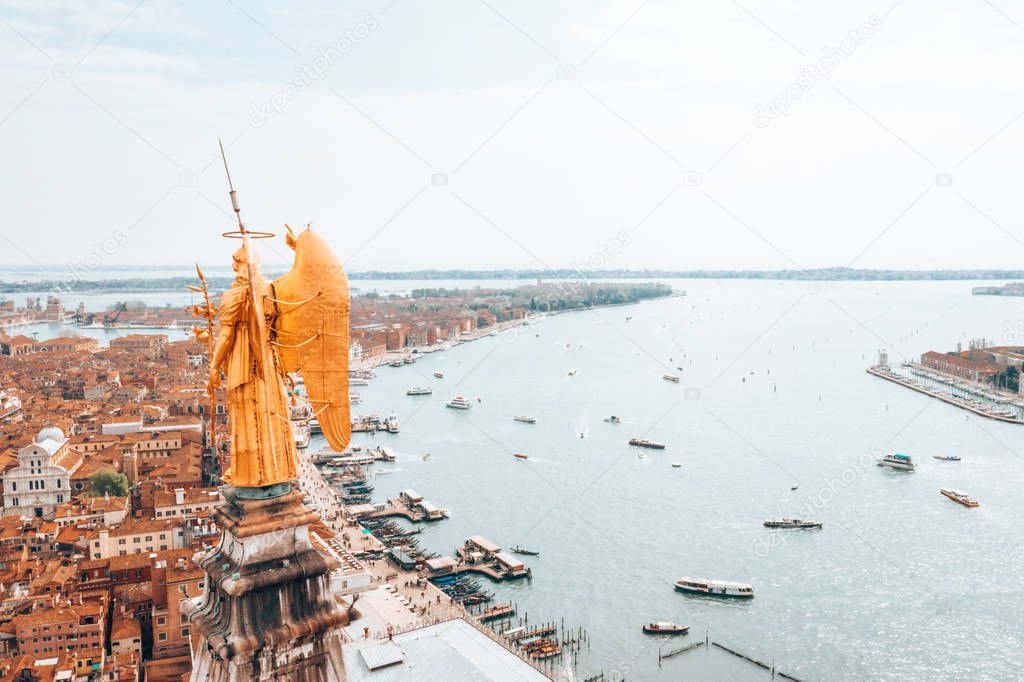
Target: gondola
519,550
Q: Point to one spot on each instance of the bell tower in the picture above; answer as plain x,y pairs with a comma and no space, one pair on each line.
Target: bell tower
267,611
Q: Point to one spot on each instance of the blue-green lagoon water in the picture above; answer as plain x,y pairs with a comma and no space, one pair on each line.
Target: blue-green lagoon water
900,584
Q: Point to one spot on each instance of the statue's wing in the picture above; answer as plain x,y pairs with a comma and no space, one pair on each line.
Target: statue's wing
312,332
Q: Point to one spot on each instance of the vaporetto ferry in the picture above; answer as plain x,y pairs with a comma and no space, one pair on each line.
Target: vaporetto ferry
714,588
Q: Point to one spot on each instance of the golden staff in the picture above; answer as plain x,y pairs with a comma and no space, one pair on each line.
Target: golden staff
259,333
208,311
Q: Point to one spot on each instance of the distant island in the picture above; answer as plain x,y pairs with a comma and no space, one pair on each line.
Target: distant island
814,274
808,274
1011,289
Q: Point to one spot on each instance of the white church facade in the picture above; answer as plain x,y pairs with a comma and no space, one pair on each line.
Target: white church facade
41,481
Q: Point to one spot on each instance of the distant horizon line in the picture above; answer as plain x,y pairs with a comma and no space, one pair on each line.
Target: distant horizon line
837,273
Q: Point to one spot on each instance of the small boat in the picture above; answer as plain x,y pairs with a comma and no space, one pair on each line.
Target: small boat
613,419
525,419
459,403
959,496
519,550
793,487
714,588
409,361
643,443
420,390
676,465
897,461
358,381
354,398
572,373
396,363
520,455
670,377
666,628
392,423
439,375
790,522
426,457
947,458
301,433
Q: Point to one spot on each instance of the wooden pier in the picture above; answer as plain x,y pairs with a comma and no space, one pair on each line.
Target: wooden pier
395,510
497,611
682,650
751,659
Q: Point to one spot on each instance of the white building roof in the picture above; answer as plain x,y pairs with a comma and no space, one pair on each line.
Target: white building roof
509,560
440,563
453,650
381,656
484,544
51,446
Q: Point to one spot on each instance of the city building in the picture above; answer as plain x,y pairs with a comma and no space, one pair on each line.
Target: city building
973,370
42,479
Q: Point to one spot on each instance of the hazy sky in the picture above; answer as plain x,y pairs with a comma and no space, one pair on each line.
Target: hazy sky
529,133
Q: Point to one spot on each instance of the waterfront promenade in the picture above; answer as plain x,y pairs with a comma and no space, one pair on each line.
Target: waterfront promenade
391,356
398,600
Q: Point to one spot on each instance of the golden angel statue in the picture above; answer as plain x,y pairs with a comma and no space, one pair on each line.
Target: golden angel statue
268,330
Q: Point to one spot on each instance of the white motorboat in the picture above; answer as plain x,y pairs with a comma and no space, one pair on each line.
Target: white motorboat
300,431
459,403
897,461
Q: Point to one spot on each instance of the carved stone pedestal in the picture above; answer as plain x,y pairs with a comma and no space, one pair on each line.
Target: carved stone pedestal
267,612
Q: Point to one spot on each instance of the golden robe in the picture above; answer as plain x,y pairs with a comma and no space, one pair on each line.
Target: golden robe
262,445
